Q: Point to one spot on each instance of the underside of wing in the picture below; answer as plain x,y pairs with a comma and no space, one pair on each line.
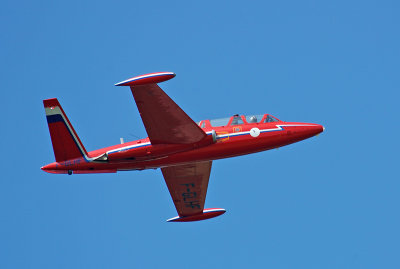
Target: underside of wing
187,185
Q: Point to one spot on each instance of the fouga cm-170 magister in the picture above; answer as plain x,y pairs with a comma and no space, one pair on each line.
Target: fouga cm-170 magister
182,148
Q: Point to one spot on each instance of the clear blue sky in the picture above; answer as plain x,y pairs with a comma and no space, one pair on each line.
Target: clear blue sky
329,202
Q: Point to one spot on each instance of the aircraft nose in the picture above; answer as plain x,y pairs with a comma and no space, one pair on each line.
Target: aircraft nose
311,129
317,129
302,130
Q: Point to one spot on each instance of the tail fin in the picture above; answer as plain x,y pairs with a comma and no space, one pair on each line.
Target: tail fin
66,143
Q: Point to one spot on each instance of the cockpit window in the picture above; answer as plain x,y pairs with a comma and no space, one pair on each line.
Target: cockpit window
237,120
254,118
269,118
219,122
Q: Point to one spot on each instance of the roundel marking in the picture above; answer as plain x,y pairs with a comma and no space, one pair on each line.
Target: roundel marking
254,132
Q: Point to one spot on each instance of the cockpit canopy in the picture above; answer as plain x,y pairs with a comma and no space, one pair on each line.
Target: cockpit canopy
238,119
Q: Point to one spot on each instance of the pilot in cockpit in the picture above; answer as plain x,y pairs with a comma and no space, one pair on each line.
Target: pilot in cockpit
235,120
252,119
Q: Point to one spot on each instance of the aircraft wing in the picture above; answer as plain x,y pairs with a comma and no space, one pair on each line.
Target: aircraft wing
187,185
167,123
164,120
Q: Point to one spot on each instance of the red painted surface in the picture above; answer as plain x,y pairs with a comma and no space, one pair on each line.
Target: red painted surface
151,78
149,156
207,214
181,148
66,143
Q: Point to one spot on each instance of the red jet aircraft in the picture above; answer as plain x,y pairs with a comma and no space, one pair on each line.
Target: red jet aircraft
183,149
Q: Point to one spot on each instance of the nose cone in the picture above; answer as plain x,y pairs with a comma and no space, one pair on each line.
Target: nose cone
316,129
307,130
298,131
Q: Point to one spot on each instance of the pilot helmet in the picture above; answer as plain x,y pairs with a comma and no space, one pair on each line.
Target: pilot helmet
252,119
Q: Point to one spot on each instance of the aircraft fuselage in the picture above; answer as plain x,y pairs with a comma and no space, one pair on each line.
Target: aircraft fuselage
221,142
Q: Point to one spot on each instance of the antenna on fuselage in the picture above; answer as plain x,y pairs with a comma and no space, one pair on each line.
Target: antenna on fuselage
122,140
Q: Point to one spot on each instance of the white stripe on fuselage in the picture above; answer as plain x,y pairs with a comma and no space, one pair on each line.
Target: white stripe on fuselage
128,147
278,128
57,111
